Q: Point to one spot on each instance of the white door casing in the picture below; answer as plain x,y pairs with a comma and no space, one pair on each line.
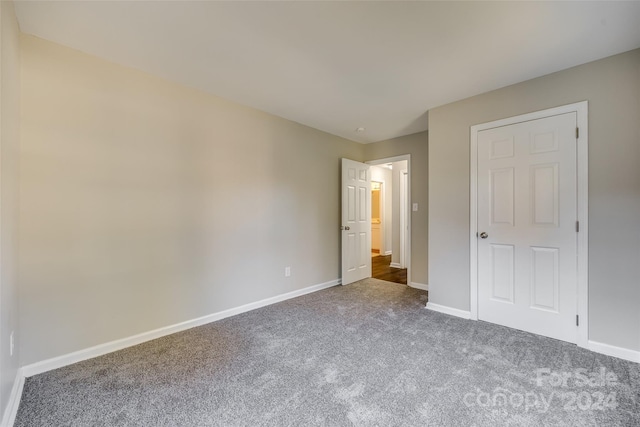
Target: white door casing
356,221
403,217
530,269
394,159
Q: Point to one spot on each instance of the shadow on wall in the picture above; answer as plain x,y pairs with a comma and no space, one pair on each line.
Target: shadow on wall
420,124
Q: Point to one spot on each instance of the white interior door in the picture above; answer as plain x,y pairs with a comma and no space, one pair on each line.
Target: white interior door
527,213
356,221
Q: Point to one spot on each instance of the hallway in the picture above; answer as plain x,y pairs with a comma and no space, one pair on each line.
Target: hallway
381,269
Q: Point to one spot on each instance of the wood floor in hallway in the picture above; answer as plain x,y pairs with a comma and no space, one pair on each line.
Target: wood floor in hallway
381,269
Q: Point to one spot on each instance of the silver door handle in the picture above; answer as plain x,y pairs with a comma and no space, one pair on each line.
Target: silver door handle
345,228
483,235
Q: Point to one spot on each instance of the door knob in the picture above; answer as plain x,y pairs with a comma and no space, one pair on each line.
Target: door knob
483,235
345,228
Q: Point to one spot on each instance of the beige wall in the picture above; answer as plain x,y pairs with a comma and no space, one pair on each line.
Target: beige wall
145,203
9,143
416,145
612,87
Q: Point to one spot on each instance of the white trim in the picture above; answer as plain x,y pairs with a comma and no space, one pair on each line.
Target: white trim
582,116
386,160
611,350
473,224
387,253
581,109
448,310
11,410
99,350
403,176
395,265
417,285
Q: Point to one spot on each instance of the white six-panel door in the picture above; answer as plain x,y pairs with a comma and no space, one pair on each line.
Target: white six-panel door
527,211
356,221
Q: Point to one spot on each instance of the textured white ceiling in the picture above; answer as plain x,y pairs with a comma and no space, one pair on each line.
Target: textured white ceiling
337,66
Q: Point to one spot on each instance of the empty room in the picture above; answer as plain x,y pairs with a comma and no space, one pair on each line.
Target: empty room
288,213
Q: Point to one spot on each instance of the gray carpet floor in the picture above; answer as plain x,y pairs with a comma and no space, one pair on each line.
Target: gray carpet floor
367,354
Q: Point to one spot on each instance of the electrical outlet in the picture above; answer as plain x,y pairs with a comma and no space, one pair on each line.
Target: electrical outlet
415,207
287,271
11,344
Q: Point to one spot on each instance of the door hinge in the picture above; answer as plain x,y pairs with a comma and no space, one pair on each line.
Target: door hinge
577,320
577,226
577,133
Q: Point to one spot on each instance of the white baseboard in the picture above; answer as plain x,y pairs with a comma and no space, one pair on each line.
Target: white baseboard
449,310
11,410
99,350
395,265
417,285
611,350
388,253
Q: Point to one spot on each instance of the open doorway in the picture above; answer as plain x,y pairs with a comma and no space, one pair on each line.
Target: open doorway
378,189
390,219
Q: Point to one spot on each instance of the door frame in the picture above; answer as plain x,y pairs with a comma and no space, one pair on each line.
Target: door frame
407,157
582,145
404,214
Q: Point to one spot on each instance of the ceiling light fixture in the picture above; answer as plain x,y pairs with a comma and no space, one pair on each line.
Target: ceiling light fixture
360,130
